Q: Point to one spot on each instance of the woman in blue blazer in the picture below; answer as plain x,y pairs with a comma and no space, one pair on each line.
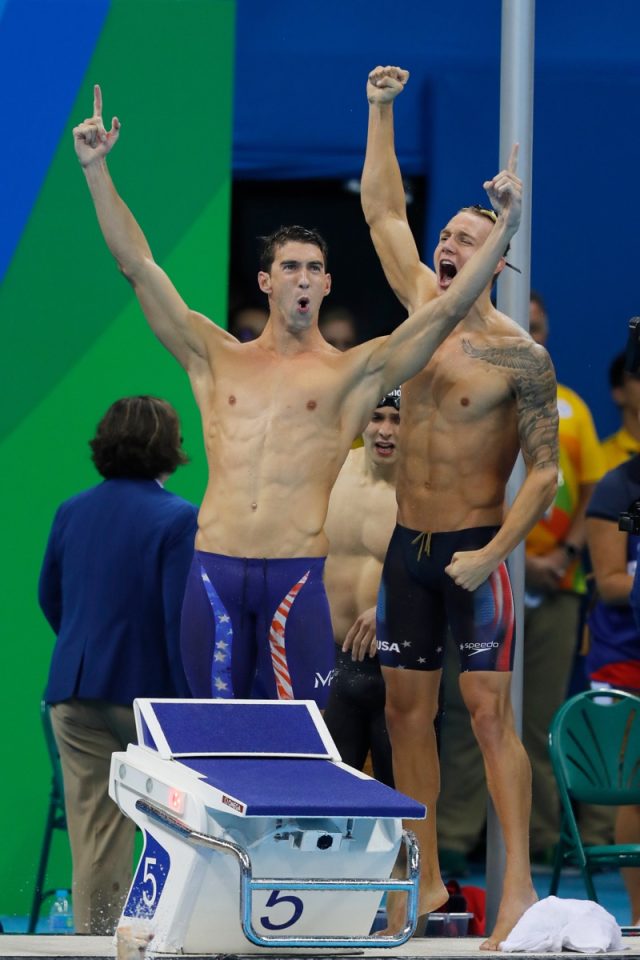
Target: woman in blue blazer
111,587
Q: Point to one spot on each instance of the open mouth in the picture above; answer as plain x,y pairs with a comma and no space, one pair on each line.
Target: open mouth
385,449
446,272
303,304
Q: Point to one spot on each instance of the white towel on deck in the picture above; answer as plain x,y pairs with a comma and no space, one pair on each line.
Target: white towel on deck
554,924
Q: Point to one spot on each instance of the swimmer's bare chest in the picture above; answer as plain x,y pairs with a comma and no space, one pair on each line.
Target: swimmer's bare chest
459,437
274,445
280,410
463,385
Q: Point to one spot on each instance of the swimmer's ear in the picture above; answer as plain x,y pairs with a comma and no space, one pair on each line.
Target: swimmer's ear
502,262
264,281
327,283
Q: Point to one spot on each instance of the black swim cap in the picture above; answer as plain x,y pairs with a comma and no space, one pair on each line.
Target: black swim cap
391,399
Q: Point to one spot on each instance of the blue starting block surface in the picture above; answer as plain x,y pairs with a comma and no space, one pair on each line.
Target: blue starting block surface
271,758
278,787
205,728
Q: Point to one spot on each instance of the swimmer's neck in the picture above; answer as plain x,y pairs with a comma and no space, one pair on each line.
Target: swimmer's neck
285,336
380,472
481,311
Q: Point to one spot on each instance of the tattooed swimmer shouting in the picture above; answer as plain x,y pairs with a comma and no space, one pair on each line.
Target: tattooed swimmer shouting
487,393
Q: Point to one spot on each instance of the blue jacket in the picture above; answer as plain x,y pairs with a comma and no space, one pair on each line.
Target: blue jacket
111,586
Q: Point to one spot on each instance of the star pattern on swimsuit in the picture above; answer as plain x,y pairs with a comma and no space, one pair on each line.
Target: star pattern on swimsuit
422,659
221,682
406,643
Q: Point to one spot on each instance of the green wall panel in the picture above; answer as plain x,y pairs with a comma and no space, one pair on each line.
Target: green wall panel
76,340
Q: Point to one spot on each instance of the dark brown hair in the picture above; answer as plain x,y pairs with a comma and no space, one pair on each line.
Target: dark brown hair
293,234
138,437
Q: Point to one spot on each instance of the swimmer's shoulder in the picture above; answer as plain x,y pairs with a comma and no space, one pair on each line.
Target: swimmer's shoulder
352,468
505,327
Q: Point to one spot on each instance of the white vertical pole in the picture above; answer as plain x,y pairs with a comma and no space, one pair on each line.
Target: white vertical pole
516,126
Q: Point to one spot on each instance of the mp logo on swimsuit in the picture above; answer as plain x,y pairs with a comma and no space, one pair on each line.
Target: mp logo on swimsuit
321,681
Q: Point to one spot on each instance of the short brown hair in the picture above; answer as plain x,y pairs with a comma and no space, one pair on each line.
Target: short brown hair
138,437
292,234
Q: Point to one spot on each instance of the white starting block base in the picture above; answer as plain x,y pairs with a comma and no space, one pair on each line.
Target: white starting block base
256,835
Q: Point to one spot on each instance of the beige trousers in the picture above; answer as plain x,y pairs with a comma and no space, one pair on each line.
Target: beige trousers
87,733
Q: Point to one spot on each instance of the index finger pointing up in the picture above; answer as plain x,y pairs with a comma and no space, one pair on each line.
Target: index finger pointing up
512,165
97,100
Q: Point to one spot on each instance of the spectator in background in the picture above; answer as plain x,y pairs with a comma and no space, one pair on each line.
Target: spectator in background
625,391
338,327
613,659
360,521
111,587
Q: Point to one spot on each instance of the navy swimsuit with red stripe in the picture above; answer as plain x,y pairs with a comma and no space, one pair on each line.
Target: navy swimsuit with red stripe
418,601
257,628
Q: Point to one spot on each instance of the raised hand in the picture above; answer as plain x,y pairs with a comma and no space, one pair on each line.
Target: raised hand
91,140
505,190
385,83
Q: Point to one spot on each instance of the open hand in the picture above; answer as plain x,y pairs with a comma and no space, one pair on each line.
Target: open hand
91,140
505,190
361,638
385,83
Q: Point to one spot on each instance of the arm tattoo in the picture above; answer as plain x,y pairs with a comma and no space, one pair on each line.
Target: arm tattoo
535,389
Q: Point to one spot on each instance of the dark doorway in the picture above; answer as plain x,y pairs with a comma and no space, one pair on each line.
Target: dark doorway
333,208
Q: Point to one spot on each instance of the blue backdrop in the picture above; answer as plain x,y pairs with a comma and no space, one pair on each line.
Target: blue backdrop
300,111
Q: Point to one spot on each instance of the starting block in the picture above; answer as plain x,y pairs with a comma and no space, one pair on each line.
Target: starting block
255,833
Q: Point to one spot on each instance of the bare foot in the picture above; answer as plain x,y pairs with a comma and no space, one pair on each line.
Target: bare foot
132,941
511,909
430,898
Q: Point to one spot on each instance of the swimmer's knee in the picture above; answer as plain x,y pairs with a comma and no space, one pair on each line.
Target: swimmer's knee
409,716
491,721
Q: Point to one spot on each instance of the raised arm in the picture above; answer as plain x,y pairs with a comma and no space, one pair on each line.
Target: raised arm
535,387
383,197
178,327
411,345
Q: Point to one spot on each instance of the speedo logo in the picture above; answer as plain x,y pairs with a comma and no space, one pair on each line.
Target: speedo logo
480,647
385,645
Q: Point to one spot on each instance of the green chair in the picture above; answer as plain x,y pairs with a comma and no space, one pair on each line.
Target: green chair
56,819
594,743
